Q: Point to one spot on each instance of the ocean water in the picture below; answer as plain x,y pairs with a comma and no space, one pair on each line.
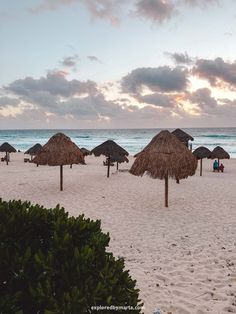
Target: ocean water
133,140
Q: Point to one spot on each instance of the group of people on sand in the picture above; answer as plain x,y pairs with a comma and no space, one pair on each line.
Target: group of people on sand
217,167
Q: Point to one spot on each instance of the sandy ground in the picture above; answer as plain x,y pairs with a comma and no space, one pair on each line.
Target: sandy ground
183,257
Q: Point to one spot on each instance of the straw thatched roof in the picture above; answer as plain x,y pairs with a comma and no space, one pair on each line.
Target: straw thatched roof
202,152
7,148
219,152
59,150
182,136
109,148
165,156
119,158
85,151
34,149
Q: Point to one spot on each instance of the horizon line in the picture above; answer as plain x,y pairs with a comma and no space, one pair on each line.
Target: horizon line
102,129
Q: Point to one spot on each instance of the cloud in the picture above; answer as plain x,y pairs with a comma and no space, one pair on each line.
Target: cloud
89,107
202,97
158,99
70,61
104,9
50,5
220,111
148,97
180,58
155,10
216,71
201,3
101,9
55,84
55,94
54,101
94,59
164,79
7,101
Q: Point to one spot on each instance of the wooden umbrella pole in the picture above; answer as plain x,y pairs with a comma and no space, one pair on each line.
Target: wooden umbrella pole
166,191
117,167
61,177
218,164
108,166
201,167
7,158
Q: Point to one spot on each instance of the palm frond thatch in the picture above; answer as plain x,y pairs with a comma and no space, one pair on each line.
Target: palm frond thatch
119,158
109,148
85,151
7,148
165,156
220,153
34,150
59,150
182,136
202,152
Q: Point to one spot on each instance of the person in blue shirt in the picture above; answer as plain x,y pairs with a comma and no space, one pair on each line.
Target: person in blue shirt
215,166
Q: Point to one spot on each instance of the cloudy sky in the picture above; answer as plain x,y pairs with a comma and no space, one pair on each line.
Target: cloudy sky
117,63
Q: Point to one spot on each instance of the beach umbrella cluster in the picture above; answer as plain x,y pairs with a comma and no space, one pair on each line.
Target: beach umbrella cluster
165,156
203,152
59,151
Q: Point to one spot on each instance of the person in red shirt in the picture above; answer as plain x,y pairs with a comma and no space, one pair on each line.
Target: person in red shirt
221,167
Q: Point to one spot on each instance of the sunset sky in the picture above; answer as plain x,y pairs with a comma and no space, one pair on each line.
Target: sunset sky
117,63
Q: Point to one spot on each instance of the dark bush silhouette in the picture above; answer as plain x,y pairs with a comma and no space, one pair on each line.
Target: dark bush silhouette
53,263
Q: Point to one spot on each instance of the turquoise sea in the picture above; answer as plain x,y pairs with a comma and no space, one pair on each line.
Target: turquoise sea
133,140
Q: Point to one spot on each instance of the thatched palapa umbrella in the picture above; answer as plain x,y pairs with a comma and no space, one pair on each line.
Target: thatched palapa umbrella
182,136
59,151
109,148
165,157
118,159
219,153
34,150
85,151
200,153
7,148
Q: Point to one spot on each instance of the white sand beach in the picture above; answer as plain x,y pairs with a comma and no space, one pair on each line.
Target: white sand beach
183,257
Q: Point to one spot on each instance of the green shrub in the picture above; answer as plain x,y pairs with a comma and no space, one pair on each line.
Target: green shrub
52,263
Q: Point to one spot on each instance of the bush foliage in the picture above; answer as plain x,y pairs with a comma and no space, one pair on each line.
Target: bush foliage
53,263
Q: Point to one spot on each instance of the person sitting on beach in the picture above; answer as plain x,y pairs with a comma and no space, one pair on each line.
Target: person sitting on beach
221,167
215,166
